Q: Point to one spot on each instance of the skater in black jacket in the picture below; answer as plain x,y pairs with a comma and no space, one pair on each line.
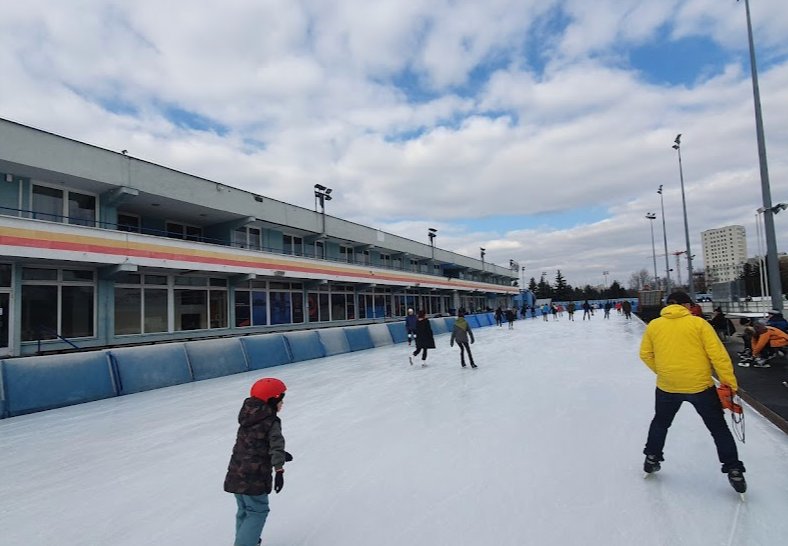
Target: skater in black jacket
460,333
424,338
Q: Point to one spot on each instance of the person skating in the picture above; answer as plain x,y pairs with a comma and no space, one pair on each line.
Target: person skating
682,350
410,326
608,306
499,317
626,306
460,333
510,318
570,310
586,310
424,338
259,450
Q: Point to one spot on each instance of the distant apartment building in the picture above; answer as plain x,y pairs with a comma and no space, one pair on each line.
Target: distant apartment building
724,253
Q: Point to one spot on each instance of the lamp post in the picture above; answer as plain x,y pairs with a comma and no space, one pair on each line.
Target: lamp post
482,254
652,216
665,238
690,281
322,194
431,233
775,287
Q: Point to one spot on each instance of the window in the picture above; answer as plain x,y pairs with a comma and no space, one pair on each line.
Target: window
128,222
385,260
345,254
62,205
57,302
248,237
183,231
292,244
320,250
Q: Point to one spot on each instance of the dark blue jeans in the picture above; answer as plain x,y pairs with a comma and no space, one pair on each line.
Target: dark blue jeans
708,406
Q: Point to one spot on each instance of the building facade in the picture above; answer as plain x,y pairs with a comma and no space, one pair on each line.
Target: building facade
724,253
102,249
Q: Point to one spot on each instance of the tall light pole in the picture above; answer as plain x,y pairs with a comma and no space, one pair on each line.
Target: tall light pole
431,233
322,194
652,216
691,281
775,287
665,238
482,254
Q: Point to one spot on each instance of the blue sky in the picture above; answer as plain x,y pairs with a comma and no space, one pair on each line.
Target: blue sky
536,129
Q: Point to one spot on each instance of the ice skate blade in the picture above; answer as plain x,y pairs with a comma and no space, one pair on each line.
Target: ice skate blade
410,359
742,497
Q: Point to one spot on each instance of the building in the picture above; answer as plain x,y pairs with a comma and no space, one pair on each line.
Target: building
724,253
101,249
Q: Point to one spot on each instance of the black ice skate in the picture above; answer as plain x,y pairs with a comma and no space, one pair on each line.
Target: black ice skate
474,365
737,481
651,465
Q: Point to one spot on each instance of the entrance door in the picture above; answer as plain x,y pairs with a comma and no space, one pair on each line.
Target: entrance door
4,321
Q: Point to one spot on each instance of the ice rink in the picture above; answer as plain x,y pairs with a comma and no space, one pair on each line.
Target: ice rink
539,446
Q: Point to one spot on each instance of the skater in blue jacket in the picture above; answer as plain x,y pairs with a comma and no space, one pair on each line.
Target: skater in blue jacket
410,326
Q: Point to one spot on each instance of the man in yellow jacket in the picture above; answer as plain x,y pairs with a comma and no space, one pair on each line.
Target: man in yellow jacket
682,350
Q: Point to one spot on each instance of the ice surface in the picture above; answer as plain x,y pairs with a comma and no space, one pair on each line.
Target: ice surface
539,446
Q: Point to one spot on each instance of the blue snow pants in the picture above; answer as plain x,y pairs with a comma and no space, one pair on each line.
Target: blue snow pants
250,518
708,406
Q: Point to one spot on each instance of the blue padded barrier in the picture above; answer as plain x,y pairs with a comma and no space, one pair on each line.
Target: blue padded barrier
380,335
151,367
489,317
438,326
359,339
39,383
216,357
398,332
265,350
334,341
473,320
305,345
450,323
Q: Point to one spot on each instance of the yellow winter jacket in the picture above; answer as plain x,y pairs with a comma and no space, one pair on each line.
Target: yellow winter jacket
682,349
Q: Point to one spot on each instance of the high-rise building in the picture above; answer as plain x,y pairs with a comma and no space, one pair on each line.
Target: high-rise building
724,253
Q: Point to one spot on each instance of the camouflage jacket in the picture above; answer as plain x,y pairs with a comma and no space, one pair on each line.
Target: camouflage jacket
259,448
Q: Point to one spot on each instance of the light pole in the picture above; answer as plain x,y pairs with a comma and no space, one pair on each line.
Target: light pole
431,233
691,281
775,287
322,194
482,254
665,238
652,216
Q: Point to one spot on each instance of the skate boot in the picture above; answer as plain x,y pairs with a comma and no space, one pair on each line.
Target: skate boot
474,365
745,353
651,464
761,363
462,363
745,362
737,481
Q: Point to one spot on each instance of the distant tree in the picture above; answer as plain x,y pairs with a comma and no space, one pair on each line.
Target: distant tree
639,279
532,285
543,289
561,289
751,275
616,291
590,293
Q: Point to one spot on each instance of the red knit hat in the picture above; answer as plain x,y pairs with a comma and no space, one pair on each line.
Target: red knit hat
267,388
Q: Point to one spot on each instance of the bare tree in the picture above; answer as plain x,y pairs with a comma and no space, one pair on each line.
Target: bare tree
640,279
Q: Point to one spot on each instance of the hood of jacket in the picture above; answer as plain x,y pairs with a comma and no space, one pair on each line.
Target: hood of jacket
461,323
674,311
254,411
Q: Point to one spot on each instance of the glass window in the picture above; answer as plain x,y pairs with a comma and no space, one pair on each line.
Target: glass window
128,311
338,307
47,203
280,308
39,312
312,307
128,278
77,275
239,238
255,239
35,274
128,222
298,307
81,209
5,274
218,282
159,280
156,310
191,281
218,308
243,315
259,308
77,311
191,309
325,313
193,233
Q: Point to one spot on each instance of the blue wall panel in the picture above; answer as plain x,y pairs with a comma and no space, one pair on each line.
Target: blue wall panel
266,350
151,367
438,325
380,335
398,332
305,345
450,323
216,357
358,338
473,320
42,382
487,318
334,341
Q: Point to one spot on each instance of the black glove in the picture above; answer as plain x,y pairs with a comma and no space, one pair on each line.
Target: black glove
279,481
288,457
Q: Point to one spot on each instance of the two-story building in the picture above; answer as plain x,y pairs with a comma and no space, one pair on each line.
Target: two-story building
99,248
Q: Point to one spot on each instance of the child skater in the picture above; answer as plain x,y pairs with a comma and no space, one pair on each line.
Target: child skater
460,334
424,338
259,449
410,326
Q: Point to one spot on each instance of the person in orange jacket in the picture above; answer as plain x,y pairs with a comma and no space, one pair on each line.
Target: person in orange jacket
768,340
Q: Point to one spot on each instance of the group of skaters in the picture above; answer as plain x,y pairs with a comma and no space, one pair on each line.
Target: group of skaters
420,334
556,310
763,341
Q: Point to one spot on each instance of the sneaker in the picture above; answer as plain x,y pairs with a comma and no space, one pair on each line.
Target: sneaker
744,363
745,352
651,464
737,481
761,363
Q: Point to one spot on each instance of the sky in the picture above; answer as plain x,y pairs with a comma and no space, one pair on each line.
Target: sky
543,450
539,130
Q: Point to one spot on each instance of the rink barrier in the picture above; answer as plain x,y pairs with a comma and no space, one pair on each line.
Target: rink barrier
305,345
359,339
216,357
399,334
266,350
149,367
473,320
380,335
38,383
486,319
334,341
438,325
450,324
